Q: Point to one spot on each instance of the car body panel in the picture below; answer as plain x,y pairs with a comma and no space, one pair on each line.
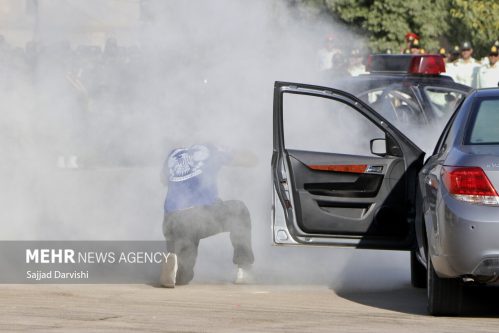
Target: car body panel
462,237
467,235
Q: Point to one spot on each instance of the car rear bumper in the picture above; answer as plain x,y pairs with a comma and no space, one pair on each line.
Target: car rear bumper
467,242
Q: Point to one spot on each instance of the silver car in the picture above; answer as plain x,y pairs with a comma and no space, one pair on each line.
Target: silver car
457,230
344,176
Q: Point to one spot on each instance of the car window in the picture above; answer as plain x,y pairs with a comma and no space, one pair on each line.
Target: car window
396,103
484,126
324,125
443,101
443,140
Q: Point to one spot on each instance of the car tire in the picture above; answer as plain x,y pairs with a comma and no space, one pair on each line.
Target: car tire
418,272
444,295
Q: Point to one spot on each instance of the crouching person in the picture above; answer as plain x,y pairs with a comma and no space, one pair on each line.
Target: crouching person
193,211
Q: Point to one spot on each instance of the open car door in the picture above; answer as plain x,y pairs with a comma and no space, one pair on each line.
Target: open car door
342,175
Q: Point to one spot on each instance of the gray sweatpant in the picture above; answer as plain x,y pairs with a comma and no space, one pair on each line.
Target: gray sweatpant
184,229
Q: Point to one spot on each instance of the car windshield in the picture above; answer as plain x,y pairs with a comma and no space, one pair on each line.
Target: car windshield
484,129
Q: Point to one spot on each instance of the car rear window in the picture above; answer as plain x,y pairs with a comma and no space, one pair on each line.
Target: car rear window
484,127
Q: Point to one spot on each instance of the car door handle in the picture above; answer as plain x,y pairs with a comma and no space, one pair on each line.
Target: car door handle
374,169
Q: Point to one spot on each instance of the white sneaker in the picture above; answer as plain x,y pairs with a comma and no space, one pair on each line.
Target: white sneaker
244,276
169,271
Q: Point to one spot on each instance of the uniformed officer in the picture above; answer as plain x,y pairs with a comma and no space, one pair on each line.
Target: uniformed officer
415,47
464,70
410,37
442,52
454,54
488,74
356,63
485,60
327,52
449,65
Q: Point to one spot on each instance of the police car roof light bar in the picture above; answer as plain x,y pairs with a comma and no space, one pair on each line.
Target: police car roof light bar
421,64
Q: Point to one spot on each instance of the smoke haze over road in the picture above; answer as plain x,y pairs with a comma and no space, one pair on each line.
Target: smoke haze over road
187,71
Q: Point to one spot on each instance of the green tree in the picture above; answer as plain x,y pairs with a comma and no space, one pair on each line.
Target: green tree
386,22
476,21
437,22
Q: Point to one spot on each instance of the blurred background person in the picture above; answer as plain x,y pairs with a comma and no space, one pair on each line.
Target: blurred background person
488,74
410,37
415,47
356,65
454,54
464,70
327,53
339,67
449,64
446,55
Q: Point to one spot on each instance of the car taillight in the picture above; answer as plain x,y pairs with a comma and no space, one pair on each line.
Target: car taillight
469,184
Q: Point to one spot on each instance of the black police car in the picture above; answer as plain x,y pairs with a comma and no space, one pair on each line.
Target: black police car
410,91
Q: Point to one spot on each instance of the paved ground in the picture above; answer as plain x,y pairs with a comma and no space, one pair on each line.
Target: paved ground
300,289
227,308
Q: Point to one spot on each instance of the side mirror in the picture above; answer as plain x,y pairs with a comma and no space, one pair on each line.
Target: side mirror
378,147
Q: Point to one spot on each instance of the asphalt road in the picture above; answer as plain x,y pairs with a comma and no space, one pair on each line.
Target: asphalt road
299,289
229,308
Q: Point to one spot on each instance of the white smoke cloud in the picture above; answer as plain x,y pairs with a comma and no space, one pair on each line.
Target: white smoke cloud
195,70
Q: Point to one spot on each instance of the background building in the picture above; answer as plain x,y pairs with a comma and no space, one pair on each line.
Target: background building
80,22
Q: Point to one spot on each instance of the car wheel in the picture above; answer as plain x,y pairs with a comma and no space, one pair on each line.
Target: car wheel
444,295
418,272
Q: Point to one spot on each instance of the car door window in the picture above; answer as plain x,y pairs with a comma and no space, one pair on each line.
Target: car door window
446,137
443,140
325,125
